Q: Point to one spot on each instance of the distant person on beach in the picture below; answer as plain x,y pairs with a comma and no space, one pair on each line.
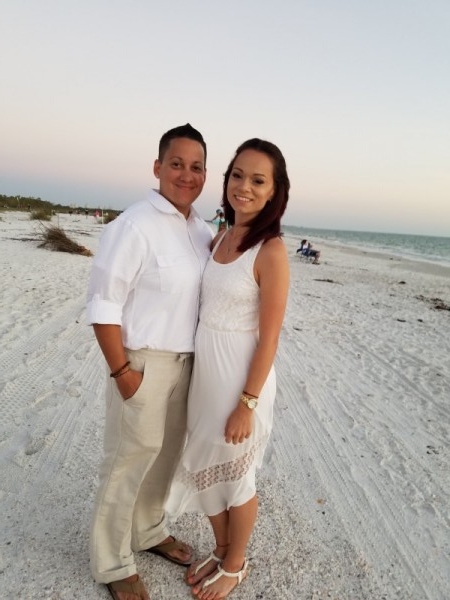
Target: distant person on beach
222,226
143,304
230,407
219,220
307,250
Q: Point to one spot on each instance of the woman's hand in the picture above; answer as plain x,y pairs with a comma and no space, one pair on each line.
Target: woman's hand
128,383
239,424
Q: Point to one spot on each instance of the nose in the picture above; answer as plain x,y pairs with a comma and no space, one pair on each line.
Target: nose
244,183
186,174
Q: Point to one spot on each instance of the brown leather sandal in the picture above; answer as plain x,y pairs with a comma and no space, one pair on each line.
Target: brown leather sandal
131,587
164,549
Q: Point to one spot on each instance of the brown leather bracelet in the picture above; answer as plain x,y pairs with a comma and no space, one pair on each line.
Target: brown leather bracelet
119,371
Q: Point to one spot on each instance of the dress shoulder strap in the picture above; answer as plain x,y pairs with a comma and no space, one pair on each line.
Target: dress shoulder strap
249,257
219,241
253,251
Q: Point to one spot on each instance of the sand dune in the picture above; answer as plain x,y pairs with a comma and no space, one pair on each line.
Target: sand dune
355,491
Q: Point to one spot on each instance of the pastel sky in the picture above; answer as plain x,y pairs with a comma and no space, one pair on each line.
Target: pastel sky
356,93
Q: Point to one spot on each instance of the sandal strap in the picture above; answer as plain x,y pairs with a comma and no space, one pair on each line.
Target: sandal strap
132,587
168,546
220,571
200,566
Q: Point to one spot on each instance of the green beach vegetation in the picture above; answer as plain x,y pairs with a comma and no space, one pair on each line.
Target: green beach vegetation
43,209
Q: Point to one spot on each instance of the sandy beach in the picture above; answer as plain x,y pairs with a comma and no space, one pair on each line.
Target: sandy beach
355,490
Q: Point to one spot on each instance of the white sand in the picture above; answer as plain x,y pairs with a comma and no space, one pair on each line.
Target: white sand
355,491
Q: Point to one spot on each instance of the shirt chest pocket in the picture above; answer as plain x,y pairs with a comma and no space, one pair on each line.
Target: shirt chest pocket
175,270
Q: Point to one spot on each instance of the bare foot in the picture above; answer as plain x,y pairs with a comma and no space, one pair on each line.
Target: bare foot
130,588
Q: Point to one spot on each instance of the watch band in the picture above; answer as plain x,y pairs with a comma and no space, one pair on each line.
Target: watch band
251,403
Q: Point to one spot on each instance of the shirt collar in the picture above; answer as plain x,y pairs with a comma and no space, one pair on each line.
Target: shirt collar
164,206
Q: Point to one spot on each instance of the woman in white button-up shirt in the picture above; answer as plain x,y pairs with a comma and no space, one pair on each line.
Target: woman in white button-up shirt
143,303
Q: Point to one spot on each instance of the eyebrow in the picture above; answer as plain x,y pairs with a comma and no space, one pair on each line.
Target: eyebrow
182,159
254,174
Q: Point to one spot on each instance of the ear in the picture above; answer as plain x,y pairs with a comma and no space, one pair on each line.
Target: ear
156,168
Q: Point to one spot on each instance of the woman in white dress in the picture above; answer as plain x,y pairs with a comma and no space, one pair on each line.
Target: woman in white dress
230,406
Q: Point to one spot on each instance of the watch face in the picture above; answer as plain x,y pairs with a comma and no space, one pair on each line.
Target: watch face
252,403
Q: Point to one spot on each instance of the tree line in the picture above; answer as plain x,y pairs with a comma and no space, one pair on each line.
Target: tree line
32,204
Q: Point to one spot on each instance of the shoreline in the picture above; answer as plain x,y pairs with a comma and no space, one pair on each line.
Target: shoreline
411,263
393,253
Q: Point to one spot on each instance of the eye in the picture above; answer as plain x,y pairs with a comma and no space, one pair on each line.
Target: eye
175,164
198,169
259,181
235,175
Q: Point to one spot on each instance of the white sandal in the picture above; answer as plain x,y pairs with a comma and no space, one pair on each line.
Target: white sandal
200,566
239,574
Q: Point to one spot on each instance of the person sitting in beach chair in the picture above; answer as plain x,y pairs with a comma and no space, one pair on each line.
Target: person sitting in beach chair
306,251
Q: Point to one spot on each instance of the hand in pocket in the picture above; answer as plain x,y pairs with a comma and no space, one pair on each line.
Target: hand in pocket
128,384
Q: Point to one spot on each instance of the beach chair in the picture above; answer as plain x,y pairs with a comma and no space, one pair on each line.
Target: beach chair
304,255
308,253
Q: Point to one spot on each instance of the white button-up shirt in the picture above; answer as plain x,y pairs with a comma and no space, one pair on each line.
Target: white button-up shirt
147,274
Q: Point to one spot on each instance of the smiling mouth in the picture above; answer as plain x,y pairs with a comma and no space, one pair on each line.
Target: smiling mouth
242,199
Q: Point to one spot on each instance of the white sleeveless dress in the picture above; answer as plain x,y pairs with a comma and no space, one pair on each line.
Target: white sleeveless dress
212,475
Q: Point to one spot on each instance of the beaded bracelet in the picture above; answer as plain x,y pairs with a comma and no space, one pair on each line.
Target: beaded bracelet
119,371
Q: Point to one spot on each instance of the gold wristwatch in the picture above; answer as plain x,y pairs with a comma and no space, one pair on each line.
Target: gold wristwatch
251,403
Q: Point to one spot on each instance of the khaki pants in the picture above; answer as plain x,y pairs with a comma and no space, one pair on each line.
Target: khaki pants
144,437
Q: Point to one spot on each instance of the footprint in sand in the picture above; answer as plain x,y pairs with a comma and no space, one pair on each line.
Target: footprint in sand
36,443
73,392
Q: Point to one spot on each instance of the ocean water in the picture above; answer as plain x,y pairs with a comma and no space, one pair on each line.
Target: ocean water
418,247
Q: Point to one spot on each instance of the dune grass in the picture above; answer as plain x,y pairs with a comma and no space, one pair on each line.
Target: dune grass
40,215
55,238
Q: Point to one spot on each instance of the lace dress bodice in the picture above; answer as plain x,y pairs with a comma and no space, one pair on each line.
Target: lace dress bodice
230,295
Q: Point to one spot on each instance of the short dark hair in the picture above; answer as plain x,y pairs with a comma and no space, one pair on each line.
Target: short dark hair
267,224
183,131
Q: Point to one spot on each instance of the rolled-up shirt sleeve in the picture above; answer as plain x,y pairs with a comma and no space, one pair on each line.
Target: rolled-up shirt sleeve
115,271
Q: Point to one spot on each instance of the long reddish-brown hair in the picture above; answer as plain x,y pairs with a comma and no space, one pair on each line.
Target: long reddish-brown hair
267,224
